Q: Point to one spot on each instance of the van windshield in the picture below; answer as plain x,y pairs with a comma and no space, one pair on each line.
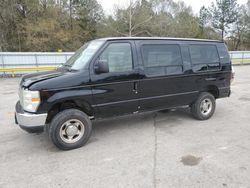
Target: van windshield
82,56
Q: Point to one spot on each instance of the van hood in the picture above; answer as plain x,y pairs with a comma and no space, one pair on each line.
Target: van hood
61,78
30,79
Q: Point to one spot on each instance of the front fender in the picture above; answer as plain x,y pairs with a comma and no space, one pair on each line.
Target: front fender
81,96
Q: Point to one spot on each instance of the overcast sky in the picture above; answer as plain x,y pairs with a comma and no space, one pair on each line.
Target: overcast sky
195,4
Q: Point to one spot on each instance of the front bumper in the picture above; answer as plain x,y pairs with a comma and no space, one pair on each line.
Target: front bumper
32,123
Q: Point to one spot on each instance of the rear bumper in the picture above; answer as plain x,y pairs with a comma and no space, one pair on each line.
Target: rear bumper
224,92
28,121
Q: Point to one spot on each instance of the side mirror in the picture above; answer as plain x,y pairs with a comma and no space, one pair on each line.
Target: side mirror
101,66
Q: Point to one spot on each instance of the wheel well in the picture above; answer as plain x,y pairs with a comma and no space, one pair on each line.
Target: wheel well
76,104
213,90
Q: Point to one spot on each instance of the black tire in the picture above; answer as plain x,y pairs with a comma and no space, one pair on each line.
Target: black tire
55,129
199,113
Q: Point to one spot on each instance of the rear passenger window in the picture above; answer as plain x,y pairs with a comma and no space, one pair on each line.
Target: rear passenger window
162,59
204,57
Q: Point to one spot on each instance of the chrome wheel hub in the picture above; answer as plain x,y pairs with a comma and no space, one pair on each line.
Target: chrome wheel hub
72,131
206,106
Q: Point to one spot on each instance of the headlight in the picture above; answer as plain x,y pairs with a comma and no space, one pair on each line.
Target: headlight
30,100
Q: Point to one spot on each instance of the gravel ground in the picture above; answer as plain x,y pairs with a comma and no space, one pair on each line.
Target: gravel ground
151,150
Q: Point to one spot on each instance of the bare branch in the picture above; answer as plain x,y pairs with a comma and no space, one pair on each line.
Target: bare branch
143,31
2,18
140,24
123,34
134,8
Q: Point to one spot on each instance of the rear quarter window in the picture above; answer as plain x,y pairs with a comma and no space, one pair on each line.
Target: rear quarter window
204,57
224,55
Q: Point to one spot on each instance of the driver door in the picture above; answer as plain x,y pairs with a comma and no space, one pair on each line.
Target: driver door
116,92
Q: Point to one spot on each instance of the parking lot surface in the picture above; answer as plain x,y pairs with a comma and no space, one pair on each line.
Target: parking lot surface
163,149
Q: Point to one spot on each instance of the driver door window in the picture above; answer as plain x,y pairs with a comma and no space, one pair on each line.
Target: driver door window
118,56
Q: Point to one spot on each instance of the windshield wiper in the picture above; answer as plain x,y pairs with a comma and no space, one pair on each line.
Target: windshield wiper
68,67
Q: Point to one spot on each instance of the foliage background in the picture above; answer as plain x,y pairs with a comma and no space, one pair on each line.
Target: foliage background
50,25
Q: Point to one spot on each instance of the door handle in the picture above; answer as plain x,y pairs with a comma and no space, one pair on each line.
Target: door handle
210,79
135,89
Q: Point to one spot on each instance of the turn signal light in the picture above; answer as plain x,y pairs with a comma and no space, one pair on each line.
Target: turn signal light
35,99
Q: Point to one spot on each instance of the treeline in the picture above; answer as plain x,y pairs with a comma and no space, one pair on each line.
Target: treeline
51,25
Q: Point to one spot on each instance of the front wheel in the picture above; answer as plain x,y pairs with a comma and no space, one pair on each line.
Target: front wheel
204,106
70,129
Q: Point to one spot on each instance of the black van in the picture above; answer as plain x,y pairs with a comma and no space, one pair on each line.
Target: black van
119,76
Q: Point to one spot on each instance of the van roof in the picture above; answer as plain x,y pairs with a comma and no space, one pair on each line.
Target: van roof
159,38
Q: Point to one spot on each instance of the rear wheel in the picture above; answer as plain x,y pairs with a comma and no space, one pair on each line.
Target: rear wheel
70,129
204,106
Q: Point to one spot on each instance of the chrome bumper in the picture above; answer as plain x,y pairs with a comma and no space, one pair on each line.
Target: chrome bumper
31,120
28,121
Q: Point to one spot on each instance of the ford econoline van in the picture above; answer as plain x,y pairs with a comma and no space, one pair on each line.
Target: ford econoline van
113,77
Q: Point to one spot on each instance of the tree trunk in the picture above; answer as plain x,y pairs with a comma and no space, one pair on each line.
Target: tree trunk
222,34
238,40
70,14
19,41
130,19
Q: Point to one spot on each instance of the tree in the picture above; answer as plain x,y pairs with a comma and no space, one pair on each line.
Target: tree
88,13
204,16
238,29
224,13
131,21
173,19
49,25
10,26
185,23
